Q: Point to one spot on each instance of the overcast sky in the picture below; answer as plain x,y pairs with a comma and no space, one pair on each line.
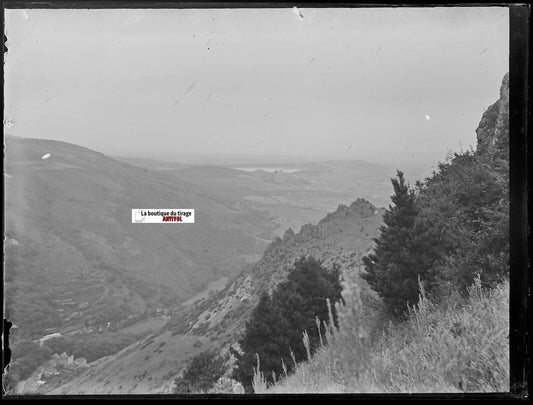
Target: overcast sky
384,85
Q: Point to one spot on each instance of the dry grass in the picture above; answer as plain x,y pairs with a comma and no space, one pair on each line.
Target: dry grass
456,346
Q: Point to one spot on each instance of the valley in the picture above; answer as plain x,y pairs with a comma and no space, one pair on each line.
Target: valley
77,267
215,321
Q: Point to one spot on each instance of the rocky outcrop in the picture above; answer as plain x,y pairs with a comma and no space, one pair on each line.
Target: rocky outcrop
289,233
493,130
341,238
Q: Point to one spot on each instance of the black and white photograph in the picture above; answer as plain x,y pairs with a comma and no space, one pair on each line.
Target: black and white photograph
272,200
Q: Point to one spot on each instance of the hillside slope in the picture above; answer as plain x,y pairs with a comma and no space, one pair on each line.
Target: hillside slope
217,321
74,258
456,339
447,349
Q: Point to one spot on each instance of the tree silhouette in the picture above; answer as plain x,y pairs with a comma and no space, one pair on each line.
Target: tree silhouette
394,267
277,322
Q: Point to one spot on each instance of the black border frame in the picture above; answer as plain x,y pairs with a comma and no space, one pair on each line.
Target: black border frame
519,118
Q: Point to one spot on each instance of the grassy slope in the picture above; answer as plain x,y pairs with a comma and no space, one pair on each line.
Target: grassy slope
459,346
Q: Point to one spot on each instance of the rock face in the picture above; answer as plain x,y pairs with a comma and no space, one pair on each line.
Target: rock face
493,130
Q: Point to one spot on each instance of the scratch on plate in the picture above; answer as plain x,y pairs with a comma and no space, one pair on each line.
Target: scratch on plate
189,89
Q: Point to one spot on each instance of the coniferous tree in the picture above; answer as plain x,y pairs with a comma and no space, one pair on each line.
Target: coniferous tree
277,322
394,267
262,331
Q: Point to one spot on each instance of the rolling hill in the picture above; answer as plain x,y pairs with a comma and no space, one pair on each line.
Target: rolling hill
73,257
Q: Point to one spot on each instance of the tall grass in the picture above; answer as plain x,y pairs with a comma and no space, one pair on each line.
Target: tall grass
453,346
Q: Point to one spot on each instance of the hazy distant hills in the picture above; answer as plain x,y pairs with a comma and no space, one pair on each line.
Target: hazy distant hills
150,365
72,249
294,194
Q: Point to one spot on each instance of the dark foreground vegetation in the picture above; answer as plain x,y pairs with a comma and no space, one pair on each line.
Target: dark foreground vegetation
428,309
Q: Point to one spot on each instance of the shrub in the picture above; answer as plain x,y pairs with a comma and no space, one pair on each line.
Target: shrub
464,214
27,356
201,373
